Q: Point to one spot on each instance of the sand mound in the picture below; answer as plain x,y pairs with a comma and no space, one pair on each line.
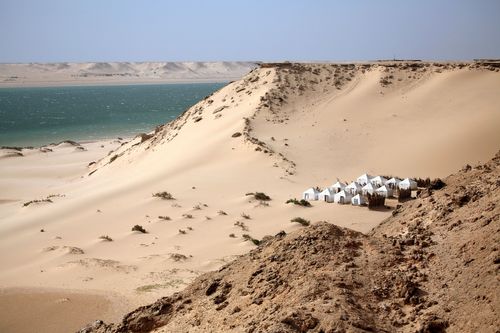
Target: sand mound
426,269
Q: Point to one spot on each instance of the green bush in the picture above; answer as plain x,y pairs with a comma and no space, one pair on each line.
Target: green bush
261,196
300,202
247,237
301,221
164,195
139,228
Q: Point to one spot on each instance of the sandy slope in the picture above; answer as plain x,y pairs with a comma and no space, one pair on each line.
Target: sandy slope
432,267
293,135
54,74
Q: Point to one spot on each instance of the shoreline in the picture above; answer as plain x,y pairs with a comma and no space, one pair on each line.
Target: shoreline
75,143
99,83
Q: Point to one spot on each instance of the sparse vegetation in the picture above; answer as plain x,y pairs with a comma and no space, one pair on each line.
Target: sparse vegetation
37,201
187,216
178,257
375,200
300,202
164,195
106,238
165,218
261,196
245,216
242,225
221,212
190,228
139,228
249,238
301,221
232,235
182,232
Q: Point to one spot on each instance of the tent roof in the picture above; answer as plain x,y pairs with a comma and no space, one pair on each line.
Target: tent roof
327,191
368,186
379,178
408,181
353,185
382,189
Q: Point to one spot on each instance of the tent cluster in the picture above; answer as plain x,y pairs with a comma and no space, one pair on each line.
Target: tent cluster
357,192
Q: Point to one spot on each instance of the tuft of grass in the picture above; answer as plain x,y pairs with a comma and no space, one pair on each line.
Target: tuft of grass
164,195
190,228
165,218
249,238
139,228
261,196
221,212
187,216
301,221
241,225
208,218
245,216
182,232
300,202
106,238
232,235
36,201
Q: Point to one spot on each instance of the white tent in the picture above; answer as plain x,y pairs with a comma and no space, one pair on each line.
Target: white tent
364,179
368,188
393,182
342,197
310,194
358,200
378,181
408,184
353,188
327,195
338,186
384,191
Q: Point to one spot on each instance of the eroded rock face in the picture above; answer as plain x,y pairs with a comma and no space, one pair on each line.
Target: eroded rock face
432,267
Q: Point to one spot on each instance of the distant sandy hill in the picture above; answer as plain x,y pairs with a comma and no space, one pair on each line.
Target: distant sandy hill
52,74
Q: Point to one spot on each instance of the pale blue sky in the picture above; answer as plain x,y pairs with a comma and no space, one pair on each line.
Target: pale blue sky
267,30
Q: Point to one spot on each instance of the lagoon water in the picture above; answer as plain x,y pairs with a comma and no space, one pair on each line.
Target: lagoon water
38,116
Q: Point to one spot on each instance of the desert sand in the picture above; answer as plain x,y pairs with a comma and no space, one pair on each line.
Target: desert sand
279,130
116,73
432,267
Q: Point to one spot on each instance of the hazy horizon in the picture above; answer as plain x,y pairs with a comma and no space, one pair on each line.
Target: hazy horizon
55,31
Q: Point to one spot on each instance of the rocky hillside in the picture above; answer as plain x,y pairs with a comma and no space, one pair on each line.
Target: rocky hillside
431,267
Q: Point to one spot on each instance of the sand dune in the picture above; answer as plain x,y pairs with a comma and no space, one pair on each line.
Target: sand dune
280,129
52,74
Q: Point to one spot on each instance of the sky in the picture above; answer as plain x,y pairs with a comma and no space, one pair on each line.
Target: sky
241,30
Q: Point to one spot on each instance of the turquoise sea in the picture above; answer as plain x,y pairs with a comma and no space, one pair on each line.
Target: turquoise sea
38,116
